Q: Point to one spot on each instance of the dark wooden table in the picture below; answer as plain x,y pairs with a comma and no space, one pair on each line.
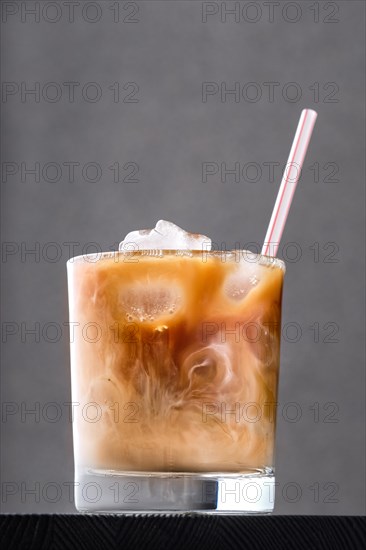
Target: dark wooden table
38,532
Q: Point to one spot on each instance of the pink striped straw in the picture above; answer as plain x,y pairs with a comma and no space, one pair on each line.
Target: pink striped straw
289,181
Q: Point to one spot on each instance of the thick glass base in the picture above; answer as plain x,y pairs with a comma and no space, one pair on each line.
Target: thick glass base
110,491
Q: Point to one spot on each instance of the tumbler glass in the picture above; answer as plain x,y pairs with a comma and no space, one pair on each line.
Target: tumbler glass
174,367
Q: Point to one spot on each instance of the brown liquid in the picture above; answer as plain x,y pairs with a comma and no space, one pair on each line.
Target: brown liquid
175,361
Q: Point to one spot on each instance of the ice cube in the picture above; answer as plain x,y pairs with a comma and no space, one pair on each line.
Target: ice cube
238,285
148,300
165,236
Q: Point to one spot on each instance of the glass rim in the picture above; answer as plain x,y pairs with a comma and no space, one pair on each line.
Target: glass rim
249,256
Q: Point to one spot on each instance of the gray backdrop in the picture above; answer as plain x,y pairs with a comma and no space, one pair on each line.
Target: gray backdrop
160,54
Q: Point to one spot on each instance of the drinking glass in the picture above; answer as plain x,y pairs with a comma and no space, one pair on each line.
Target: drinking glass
174,367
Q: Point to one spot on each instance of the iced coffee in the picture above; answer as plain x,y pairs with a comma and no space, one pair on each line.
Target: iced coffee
175,361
